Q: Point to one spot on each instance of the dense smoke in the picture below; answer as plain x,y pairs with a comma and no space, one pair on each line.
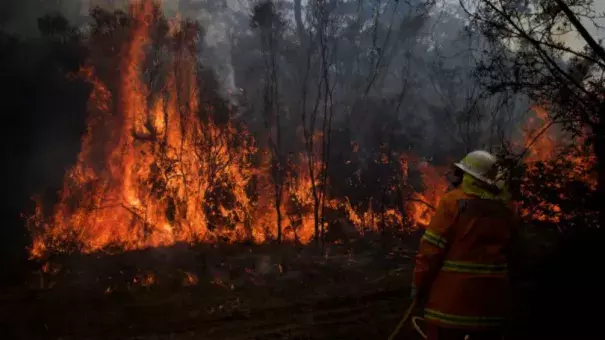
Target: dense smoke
219,18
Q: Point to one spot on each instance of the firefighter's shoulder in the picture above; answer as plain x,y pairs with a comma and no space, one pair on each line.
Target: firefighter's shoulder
453,196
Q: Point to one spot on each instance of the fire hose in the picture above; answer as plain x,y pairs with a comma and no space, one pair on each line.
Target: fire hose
415,320
419,330
405,318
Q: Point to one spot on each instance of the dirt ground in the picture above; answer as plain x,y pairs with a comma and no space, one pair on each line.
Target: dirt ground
354,291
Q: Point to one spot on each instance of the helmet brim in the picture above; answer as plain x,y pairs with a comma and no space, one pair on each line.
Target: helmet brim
474,174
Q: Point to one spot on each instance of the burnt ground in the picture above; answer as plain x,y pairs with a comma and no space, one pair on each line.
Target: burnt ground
356,290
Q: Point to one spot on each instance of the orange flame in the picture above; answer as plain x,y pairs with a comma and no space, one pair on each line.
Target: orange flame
422,206
419,206
151,172
549,150
160,168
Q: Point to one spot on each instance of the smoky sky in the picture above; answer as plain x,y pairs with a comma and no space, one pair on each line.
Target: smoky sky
20,16
218,17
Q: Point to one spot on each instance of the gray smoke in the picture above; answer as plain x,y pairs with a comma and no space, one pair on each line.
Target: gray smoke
218,17
220,23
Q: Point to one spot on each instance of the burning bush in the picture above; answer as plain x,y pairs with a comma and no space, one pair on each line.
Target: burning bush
556,181
150,172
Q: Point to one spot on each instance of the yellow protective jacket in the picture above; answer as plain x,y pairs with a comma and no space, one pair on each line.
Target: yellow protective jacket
462,259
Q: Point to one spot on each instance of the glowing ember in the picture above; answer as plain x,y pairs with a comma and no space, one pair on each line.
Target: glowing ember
145,280
190,279
51,268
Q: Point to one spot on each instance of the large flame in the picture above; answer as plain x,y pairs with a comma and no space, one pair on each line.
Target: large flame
155,168
149,172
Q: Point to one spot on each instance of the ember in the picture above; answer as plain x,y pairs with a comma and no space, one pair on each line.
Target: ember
190,279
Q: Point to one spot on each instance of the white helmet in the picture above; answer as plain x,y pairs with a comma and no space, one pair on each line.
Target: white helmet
481,165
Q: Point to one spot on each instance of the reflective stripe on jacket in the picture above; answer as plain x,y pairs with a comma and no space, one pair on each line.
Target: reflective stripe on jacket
462,262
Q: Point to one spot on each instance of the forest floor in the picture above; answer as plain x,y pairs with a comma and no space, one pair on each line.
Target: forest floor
356,290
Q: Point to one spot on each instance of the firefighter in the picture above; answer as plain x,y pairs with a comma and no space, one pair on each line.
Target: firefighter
461,266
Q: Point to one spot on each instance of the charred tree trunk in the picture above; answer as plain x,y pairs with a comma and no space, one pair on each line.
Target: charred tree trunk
308,119
325,89
326,127
267,19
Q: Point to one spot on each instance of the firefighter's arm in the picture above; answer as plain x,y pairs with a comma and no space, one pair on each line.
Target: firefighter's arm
432,248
